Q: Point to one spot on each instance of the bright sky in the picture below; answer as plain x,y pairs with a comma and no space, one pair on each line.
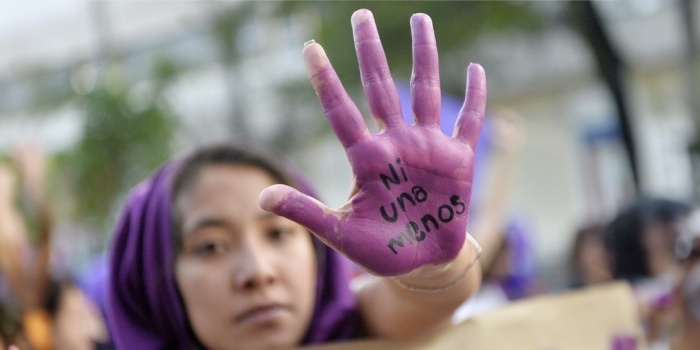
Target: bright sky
27,15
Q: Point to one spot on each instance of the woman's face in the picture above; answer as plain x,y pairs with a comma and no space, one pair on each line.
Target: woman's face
657,240
247,276
593,260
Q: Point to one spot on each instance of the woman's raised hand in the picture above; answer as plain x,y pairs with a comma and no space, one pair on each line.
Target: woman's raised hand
413,183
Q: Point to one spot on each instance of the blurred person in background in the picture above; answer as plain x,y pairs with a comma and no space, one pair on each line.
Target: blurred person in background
197,262
512,276
589,259
641,240
93,278
507,261
41,313
10,328
76,322
514,268
688,290
24,260
12,246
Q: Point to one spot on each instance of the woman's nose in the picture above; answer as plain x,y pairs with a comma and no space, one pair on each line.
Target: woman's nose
255,267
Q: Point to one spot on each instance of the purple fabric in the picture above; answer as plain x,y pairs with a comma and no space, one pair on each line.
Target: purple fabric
93,281
144,307
521,276
623,342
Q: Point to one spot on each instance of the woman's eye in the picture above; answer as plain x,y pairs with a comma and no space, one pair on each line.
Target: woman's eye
208,249
280,233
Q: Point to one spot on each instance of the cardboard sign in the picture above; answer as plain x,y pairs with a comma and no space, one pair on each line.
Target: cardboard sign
587,319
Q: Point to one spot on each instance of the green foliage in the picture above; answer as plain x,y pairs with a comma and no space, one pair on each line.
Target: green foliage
457,24
49,89
226,26
127,134
128,128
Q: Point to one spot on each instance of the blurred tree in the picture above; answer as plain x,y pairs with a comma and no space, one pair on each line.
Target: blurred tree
458,25
226,25
127,134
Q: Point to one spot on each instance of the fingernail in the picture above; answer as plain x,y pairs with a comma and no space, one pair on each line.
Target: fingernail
474,68
471,69
363,25
314,57
360,16
312,41
425,17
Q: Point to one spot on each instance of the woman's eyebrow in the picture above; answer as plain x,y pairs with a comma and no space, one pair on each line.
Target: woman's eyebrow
268,218
206,222
266,215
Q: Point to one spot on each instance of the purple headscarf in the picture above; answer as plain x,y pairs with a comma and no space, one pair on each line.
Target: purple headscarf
144,307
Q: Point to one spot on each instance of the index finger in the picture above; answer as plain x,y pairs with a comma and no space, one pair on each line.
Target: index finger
342,113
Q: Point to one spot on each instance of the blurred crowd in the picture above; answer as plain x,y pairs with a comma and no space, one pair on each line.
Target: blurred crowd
652,243
37,310
649,242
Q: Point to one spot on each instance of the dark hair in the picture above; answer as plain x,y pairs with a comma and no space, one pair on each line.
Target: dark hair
52,298
221,154
623,235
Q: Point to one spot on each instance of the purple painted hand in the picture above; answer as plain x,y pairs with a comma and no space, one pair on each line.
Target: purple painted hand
413,182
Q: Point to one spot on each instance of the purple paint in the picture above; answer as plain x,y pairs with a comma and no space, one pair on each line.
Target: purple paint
450,107
414,182
425,79
623,342
380,91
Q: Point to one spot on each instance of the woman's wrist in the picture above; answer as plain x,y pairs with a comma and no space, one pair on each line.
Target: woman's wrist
443,277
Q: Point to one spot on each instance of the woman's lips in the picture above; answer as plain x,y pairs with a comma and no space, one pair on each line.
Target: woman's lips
262,314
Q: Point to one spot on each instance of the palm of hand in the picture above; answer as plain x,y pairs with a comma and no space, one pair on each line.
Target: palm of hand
411,208
414,183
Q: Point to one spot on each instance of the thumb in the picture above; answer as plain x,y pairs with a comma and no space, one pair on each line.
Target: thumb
307,211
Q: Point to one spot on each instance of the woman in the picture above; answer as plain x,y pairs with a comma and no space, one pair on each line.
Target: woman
590,260
197,263
641,240
687,336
